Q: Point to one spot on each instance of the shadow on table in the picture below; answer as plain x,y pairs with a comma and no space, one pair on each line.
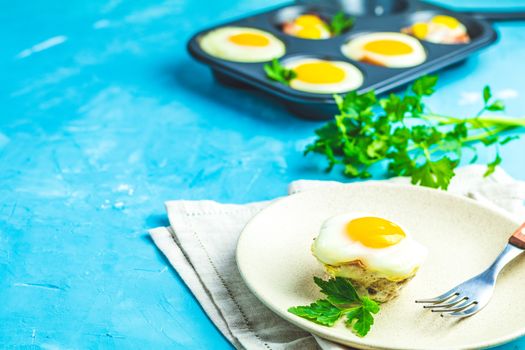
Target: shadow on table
157,220
194,78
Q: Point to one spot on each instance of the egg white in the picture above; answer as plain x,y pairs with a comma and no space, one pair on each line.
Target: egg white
441,34
324,33
353,78
216,43
334,247
354,49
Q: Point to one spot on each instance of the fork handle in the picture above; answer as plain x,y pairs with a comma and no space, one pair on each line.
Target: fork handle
518,237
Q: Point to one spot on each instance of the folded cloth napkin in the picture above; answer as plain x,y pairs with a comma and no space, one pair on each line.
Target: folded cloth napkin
200,244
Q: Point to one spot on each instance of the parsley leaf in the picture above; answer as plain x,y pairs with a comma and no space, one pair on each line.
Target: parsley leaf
491,167
425,86
497,105
435,174
360,319
401,131
487,94
370,305
508,139
340,22
276,71
339,291
321,311
342,300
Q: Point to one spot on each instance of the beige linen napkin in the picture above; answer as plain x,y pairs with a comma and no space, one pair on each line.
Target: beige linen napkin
200,244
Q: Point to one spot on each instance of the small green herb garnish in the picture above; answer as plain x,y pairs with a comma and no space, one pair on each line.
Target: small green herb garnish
403,132
276,71
340,22
341,300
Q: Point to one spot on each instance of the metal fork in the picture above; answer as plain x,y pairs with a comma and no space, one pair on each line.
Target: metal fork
472,295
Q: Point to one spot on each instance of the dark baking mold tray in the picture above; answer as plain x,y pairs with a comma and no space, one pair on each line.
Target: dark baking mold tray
370,16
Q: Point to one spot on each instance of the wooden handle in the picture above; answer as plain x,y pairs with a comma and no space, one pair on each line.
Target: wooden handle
518,238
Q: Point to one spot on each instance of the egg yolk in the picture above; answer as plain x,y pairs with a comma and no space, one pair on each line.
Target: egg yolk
308,27
420,30
309,33
249,39
374,232
308,20
319,73
447,21
388,47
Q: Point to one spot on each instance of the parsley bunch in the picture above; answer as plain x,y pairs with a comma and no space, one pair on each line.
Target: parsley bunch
276,71
340,22
341,300
402,131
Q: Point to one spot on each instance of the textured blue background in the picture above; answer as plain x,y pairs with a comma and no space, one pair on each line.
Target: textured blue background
103,117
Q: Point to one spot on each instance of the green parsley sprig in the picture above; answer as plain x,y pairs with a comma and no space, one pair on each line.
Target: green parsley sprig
404,133
340,22
276,71
342,301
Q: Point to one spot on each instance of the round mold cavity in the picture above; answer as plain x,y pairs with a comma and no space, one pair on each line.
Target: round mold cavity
301,57
354,36
474,29
238,59
288,14
366,7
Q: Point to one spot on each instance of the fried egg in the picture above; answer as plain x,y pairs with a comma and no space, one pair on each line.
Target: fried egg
307,26
388,49
242,44
440,29
323,76
380,245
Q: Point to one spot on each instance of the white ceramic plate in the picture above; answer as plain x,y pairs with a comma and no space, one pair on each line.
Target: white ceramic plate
463,237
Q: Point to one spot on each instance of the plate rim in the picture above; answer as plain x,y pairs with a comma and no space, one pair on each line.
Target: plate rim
308,326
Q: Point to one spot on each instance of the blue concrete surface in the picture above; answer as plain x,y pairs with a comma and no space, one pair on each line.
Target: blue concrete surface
103,117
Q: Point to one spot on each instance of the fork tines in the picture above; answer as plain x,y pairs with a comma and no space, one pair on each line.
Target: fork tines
451,303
